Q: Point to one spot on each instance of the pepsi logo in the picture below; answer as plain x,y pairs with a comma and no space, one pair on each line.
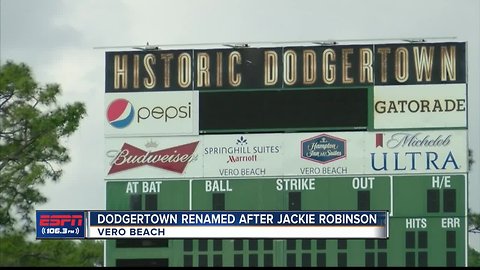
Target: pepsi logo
120,113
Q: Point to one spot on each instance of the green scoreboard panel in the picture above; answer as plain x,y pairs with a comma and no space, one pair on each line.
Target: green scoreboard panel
397,117
427,220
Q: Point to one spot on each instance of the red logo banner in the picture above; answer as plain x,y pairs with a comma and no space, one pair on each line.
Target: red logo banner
379,140
173,159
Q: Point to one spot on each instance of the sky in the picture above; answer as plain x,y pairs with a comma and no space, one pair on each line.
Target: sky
65,42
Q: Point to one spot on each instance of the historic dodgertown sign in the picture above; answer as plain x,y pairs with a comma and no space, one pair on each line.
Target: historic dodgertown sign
376,126
285,67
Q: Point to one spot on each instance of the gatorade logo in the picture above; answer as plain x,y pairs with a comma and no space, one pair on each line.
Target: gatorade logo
120,113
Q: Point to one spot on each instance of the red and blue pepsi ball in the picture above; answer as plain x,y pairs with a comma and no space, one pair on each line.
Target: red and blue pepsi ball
120,113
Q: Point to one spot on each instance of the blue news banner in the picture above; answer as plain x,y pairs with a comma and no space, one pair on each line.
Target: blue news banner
212,224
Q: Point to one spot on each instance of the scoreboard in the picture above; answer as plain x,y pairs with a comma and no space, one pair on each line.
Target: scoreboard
337,127
430,220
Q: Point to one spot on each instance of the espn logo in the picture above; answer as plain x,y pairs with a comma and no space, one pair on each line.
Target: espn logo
61,220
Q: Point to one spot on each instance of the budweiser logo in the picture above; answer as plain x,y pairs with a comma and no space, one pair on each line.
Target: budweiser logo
173,159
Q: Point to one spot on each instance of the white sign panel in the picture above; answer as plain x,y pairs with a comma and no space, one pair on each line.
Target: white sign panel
287,154
159,157
324,154
243,155
420,106
350,153
425,151
151,114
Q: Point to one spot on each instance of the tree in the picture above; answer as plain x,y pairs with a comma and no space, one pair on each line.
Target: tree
473,257
473,222
32,124
473,227
16,251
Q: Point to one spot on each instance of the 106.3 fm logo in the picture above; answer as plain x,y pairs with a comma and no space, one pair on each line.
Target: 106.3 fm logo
60,224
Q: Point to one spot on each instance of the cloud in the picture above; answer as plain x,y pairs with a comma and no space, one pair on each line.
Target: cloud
57,39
